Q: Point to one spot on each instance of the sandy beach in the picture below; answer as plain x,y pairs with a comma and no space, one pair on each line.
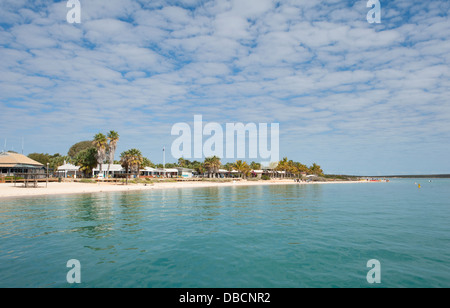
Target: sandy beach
8,190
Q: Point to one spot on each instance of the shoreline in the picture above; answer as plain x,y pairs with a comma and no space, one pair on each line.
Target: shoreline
9,191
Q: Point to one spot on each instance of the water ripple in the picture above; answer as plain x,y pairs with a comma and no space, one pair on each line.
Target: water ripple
266,236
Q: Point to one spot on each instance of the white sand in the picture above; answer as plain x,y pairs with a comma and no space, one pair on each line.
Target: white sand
8,190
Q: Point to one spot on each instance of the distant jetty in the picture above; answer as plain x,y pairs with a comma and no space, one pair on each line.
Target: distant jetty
422,176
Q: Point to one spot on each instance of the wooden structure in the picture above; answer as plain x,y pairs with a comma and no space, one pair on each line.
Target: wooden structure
31,179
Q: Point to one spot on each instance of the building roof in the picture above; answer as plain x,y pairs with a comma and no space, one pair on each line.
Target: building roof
68,167
148,169
16,160
180,169
167,170
114,167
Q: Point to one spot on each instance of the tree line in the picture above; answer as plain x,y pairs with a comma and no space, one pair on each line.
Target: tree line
101,150
211,166
90,154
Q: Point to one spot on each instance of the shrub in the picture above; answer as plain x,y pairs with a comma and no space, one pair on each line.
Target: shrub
87,181
265,177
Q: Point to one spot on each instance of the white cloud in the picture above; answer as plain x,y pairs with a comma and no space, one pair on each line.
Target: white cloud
331,79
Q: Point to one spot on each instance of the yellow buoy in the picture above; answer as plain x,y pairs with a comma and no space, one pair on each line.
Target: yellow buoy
419,185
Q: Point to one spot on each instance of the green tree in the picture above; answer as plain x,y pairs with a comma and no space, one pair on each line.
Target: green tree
282,165
243,168
197,166
58,160
291,168
131,160
40,158
54,160
147,163
78,147
182,162
191,164
255,166
316,169
86,160
212,165
228,166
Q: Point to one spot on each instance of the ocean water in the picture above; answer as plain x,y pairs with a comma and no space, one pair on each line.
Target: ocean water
287,236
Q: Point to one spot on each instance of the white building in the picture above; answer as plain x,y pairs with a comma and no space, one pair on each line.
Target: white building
168,172
148,171
114,169
185,172
160,172
68,170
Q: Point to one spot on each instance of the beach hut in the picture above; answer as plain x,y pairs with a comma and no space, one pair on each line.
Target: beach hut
15,163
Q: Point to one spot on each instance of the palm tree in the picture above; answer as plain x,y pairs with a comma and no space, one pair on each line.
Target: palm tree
131,160
125,160
316,169
199,167
182,162
228,166
212,164
255,166
113,138
242,167
299,169
282,165
147,163
100,143
136,160
208,165
291,168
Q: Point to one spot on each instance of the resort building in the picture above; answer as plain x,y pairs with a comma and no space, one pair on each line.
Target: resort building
13,163
168,172
148,172
185,172
68,171
114,170
223,173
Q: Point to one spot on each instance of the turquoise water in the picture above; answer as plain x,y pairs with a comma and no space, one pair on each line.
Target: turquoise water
259,236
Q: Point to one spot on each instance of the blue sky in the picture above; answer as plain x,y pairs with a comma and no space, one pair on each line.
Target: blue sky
355,97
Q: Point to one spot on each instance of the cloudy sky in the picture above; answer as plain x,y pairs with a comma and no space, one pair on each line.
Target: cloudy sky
355,97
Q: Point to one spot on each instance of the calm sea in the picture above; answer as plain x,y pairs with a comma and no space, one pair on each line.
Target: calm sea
259,236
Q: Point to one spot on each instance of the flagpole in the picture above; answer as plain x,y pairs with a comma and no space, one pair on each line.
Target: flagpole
164,160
